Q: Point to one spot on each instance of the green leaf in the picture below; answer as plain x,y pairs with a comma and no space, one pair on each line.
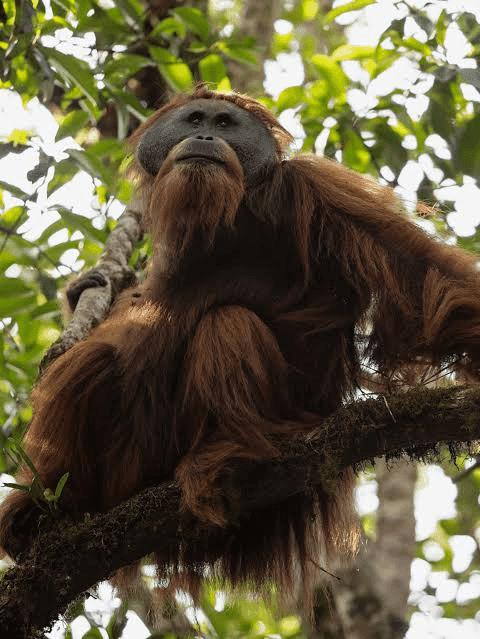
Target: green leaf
132,104
109,26
353,52
24,487
26,460
5,148
123,66
64,172
75,72
46,311
355,5
239,54
309,10
169,26
48,495
12,287
71,124
88,161
212,68
178,76
441,27
175,72
332,72
468,147
7,259
19,137
61,483
319,91
93,633
415,45
449,526
14,190
12,216
50,26
84,225
133,12
468,23
290,98
388,146
16,297
125,191
56,252
282,43
197,47
195,20
441,119
355,155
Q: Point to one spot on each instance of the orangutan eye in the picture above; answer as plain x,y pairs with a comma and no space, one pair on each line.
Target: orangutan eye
195,117
223,120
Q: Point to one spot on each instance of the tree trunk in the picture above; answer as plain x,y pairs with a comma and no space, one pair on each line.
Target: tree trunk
256,19
395,545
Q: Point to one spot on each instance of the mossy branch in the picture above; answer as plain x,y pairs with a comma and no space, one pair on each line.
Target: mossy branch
66,558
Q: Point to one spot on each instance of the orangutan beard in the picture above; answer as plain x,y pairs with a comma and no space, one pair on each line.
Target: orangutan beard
190,200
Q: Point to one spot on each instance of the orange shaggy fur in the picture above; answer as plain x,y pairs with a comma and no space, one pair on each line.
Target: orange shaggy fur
244,338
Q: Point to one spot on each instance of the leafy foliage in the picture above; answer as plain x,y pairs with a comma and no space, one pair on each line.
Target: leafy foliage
99,68
36,489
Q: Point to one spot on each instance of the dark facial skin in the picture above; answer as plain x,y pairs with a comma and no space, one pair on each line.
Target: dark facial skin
203,122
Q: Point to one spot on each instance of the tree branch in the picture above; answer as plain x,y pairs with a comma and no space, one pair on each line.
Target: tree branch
66,558
94,303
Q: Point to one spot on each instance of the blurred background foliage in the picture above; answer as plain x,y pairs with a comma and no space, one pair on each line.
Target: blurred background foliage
78,76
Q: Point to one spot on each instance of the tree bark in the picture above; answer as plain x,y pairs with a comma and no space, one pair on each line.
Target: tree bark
371,595
256,19
360,606
94,303
394,548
